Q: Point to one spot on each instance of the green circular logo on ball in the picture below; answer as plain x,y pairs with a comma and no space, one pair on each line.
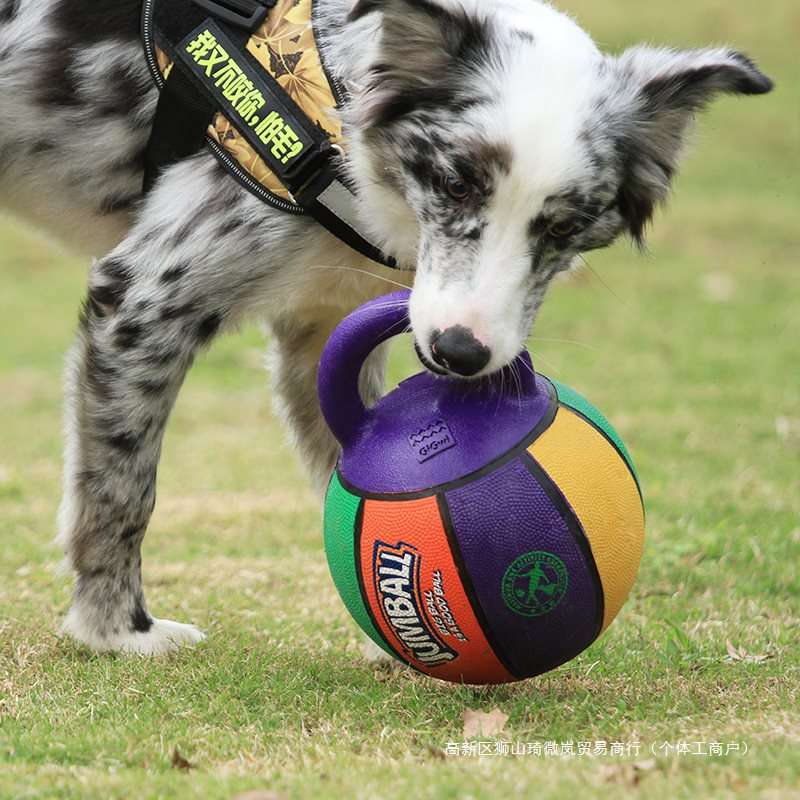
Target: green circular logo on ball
534,583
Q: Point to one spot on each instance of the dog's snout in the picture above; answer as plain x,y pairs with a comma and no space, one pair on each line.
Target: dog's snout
457,350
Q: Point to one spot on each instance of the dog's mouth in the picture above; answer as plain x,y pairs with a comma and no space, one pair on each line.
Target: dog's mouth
428,364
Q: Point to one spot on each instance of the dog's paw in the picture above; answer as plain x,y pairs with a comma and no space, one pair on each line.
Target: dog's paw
163,637
375,654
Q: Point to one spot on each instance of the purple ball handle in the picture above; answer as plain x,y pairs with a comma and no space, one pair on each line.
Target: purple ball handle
344,355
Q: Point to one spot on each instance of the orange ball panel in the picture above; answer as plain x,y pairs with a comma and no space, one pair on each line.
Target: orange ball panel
415,594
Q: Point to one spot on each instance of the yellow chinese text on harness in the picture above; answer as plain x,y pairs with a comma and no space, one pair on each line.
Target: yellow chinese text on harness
246,79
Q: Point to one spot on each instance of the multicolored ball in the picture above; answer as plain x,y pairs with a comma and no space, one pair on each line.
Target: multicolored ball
478,537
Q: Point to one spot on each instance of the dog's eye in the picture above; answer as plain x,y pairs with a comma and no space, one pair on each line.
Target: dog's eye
560,230
457,189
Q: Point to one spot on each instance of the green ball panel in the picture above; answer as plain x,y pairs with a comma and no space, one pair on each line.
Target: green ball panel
341,513
570,398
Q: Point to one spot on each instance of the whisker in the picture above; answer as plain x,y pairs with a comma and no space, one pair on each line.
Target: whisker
377,182
387,305
607,287
362,272
539,357
588,217
518,381
567,341
527,367
501,392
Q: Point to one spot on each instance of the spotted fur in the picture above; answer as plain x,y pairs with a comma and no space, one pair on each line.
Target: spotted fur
490,143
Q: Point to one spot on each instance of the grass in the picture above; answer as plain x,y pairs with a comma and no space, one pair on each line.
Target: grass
692,353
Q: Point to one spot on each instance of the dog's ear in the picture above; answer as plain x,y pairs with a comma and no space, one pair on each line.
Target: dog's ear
422,43
363,7
661,91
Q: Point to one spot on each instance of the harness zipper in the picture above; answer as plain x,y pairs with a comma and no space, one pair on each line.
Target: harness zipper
249,182
147,39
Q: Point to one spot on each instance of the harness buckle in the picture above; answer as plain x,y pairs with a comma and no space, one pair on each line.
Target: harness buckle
312,175
247,14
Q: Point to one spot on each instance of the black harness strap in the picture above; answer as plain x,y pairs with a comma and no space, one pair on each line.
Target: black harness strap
294,148
180,127
183,113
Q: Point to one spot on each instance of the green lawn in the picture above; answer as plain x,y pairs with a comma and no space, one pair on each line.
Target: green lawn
692,352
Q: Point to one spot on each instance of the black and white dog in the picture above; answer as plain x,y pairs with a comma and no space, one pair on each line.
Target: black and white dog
490,142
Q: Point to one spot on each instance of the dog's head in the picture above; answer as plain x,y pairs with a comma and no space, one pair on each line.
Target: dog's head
492,143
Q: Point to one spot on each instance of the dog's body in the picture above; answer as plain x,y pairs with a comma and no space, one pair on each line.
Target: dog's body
490,144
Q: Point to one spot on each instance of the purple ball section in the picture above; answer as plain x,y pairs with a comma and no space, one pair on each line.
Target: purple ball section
431,432
469,423
498,518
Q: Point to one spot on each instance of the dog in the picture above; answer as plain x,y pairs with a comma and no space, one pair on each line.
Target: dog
489,144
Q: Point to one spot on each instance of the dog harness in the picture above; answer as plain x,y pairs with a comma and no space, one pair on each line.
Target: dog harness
246,79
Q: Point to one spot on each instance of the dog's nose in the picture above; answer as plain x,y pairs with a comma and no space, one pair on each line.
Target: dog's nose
457,350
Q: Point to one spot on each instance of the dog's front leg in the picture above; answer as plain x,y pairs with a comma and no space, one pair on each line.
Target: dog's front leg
297,343
122,378
153,302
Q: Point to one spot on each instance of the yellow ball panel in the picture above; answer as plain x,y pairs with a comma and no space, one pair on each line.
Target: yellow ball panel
596,482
